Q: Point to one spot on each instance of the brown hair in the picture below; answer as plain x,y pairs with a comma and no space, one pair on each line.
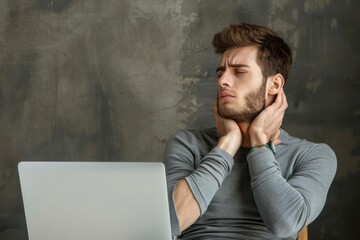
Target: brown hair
274,55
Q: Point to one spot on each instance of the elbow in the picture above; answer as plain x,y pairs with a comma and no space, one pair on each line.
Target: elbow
288,223
283,229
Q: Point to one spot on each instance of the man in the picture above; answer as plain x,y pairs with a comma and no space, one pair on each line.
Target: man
247,178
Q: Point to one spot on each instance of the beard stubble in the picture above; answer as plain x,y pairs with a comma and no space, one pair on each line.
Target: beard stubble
254,104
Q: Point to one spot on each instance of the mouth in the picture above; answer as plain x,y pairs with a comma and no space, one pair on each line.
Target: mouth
226,95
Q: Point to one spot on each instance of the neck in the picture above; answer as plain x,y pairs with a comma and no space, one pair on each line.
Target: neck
244,128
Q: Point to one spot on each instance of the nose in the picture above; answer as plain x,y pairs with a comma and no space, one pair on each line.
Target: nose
224,80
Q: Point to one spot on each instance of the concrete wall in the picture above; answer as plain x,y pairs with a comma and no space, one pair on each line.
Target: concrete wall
110,80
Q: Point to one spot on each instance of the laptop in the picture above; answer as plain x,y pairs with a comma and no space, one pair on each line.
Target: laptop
95,200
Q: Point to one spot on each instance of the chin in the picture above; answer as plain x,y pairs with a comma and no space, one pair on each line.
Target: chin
239,116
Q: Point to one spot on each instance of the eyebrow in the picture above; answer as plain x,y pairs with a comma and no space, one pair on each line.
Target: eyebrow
222,68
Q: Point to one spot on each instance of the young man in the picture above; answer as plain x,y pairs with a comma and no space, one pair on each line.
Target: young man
247,178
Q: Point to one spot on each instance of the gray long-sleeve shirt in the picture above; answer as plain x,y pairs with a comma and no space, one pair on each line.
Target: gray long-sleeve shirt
251,196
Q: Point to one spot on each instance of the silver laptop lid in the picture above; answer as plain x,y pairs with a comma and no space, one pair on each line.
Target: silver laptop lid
95,200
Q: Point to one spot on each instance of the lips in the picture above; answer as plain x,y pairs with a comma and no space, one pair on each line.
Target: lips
226,95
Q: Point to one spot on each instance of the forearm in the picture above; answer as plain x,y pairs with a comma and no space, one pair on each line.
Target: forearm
193,194
193,178
282,208
207,178
286,205
186,206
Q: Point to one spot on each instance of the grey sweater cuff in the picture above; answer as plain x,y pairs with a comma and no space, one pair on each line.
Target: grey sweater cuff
208,177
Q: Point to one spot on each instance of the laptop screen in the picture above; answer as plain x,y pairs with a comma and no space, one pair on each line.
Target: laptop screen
95,200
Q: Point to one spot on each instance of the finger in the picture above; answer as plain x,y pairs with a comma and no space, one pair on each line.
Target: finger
278,101
279,96
275,116
274,126
279,113
281,101
285,103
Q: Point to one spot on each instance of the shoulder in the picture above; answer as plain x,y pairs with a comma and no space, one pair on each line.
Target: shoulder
303,144
186,148
195,142
307,150
195,136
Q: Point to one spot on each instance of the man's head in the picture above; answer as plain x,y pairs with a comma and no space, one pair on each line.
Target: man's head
255,63
274,55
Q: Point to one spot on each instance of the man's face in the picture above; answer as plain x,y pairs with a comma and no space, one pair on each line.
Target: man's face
241,85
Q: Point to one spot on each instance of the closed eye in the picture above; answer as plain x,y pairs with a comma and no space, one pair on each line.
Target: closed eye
239,72
219,73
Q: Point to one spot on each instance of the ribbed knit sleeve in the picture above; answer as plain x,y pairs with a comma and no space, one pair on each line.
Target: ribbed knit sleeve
208,177
204,174
287,205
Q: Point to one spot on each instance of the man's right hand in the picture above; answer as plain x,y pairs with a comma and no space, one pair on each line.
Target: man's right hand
230,134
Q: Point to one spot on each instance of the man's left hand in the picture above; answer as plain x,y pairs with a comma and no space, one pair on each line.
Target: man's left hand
266,125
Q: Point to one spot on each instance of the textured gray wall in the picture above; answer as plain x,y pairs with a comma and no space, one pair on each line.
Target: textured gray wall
110,80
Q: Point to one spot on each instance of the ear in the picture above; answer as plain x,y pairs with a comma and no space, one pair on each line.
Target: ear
276,83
